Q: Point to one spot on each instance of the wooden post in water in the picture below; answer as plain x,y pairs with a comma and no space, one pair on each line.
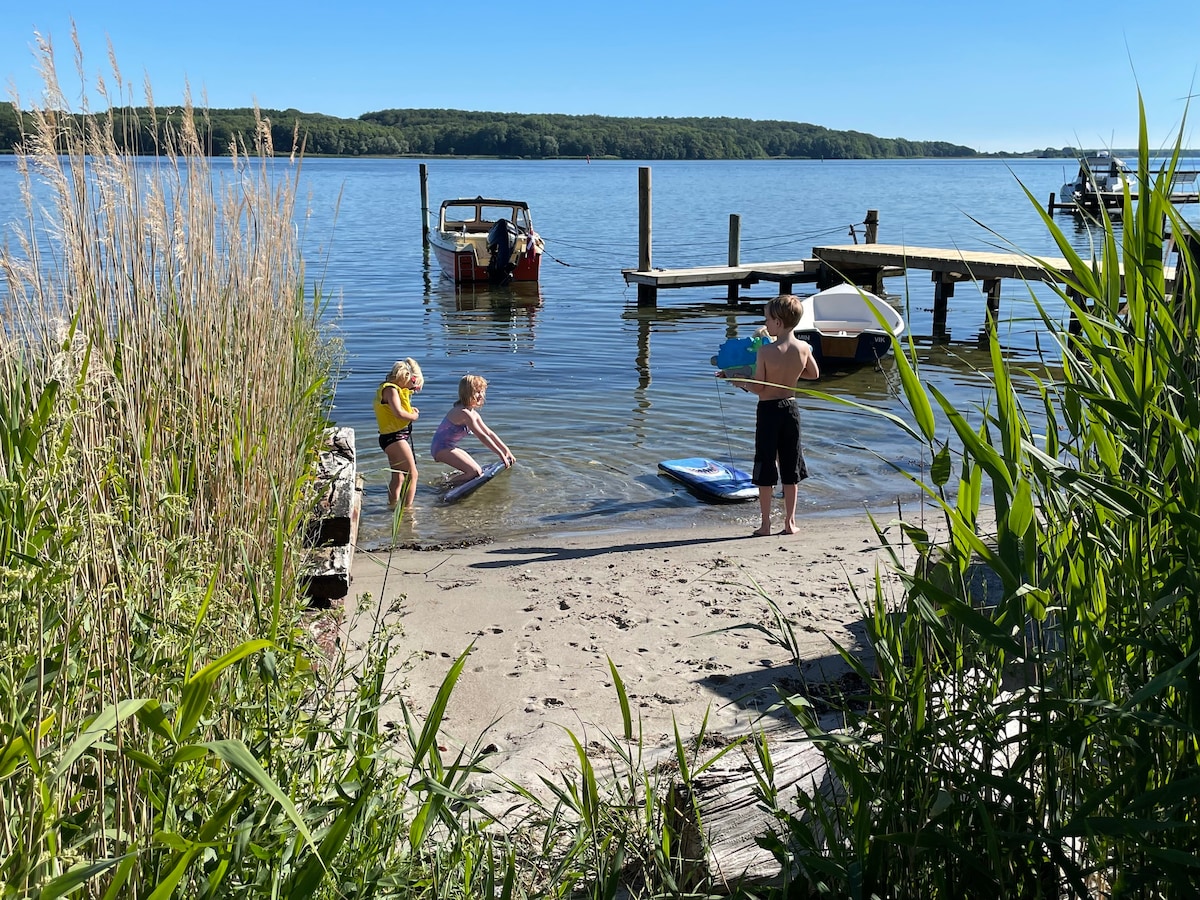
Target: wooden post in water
424,207
1050,205
991,287
647,293
735,250
872,223
943,290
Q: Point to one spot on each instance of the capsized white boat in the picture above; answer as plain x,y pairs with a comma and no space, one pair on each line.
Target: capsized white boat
839,324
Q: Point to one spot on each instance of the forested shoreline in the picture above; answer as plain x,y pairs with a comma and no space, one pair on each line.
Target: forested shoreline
447,132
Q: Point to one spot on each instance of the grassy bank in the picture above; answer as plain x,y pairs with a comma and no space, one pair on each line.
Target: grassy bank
1033,728
163,383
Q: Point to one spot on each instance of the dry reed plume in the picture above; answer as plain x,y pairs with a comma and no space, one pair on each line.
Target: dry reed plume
163,385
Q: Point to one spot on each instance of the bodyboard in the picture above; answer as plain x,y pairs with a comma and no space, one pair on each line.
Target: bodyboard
459,491
710,479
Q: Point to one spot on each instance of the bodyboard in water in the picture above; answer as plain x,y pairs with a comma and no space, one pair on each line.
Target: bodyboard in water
710,479
459,491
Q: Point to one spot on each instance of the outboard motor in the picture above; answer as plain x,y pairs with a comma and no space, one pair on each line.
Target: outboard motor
500,240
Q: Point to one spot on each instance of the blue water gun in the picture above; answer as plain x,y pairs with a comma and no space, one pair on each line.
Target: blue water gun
736,357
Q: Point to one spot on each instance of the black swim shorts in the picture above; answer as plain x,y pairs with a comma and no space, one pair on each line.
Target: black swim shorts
386,440
777,454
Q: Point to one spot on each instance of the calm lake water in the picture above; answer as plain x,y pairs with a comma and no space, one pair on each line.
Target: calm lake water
590,391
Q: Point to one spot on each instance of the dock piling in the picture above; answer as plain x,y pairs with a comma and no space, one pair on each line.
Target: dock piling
424,207
943,290
991,287
647,293
735,251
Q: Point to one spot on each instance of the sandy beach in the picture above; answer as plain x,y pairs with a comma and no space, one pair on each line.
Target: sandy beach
546,613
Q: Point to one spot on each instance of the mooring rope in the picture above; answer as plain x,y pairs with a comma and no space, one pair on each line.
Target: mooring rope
724,424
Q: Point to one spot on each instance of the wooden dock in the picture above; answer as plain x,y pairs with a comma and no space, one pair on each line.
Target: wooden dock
1113,201
785,274
862,264
865,265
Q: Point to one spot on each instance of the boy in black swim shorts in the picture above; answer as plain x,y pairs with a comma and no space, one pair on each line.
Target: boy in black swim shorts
777,454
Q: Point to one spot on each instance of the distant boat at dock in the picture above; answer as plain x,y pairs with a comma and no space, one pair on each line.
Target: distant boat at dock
1103,179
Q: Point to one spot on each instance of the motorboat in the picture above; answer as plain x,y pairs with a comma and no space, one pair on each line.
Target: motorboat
1102,178
841,324
486,241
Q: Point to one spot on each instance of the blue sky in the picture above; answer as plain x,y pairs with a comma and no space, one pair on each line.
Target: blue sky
1015,75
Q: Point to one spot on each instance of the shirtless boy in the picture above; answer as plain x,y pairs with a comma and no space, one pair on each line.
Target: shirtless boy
777,455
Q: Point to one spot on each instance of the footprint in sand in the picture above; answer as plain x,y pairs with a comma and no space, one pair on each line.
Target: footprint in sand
529,657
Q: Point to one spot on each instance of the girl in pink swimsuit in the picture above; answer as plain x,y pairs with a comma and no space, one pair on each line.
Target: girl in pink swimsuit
463,418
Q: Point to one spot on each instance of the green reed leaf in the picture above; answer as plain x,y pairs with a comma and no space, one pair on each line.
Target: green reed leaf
1020,510
96,730
861,407
76,877
622,699
153,717
437,710
198,688
914,392
165,889
308,877
238,755
121,876
939,470
981,451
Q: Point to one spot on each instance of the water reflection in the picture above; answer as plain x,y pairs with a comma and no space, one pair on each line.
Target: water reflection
471,313
516,295
469,297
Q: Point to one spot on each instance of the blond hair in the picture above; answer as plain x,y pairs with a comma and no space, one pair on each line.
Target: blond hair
406,369
787,308
469,386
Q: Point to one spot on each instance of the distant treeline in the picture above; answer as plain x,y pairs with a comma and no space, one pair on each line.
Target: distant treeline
138,131
448,132
454,132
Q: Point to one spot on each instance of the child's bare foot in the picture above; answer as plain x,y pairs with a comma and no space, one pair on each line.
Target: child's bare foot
790,528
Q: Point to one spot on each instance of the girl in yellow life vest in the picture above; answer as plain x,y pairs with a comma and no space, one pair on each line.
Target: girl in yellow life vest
395,414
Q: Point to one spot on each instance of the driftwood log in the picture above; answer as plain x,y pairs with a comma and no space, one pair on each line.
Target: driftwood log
732,816
333,529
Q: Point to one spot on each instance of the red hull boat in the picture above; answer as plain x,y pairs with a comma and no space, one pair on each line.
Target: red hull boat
486,241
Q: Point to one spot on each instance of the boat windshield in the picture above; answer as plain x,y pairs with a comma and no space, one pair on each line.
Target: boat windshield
474,216
1105,165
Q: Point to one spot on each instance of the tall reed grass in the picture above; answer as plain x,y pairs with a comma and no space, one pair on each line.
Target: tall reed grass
1041,737
163,384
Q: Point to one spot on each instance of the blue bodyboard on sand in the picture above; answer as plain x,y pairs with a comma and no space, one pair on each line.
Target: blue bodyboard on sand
457,492
710,479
